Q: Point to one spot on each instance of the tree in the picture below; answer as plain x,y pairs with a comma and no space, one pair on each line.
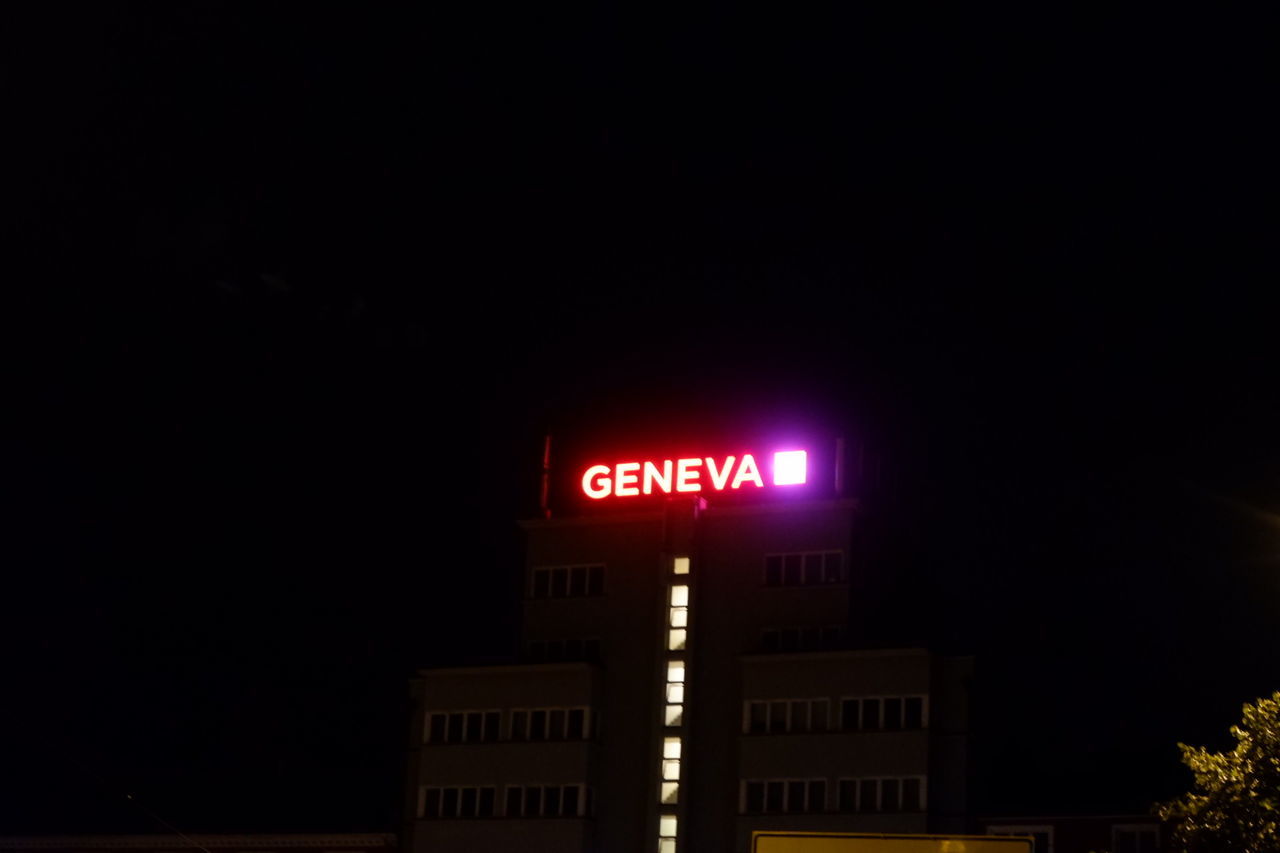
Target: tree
1234,806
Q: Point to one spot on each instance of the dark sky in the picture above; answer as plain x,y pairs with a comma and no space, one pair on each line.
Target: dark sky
296,291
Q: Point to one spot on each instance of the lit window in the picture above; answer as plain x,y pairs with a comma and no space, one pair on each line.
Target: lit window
670,793
680,596
680,566
675,670
679,617
666,845
671,769
671,747
667,826
675,692
675,715
676,639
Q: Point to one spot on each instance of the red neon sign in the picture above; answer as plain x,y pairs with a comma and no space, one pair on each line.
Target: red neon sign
691,474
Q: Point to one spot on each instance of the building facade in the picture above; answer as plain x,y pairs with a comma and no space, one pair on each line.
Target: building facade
686,679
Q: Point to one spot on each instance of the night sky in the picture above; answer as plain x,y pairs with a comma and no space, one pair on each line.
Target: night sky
296,290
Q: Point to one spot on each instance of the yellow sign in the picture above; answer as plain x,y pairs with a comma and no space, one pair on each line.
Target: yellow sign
842,842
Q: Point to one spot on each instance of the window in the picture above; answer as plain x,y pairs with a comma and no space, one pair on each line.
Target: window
566,581
777,716
463,726
881,795
545,801
806,568
1135,838
566,649
551,724
814,638
796,796
435,803
883,713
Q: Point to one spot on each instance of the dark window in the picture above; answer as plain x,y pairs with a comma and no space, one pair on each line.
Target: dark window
473,725
773,570
911,800
571,800
449,806
537,725
848,795
519,725
589,804
870,713
432,807
893,713
559,582
537,650
789,639
577,724
755,797
435,734
555,650
491,725
848,714
795,796
591,649
890,800
831,637
573,650
818,715
773,801
595,580
515,800
817,795
791,570
800,716
551,801
914,709
541,583
769,640
832,567
813,569
777,717
469,797
557,725
532,801
455,727
759,718
578,580
867,795
811,639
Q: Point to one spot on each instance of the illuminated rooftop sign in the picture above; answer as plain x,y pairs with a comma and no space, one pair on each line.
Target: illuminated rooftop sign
692,474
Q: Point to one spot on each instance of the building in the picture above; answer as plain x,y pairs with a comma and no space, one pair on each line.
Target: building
1120,833
180,843
685,679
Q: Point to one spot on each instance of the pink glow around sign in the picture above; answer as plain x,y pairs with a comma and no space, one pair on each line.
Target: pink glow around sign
696,474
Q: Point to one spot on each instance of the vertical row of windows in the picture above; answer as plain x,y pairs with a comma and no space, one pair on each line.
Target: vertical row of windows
464,727
567,581
784,795
797,639
572,649
526,724
677,638
805,568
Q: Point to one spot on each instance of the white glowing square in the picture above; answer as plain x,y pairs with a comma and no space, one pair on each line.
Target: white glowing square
675,670
667,825
680,596
674,715
670,793
679,617
666,845
676,639
790,467
675,692
671,769
681,566
671,747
